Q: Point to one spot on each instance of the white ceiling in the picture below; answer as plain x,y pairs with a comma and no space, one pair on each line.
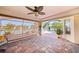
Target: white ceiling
21,11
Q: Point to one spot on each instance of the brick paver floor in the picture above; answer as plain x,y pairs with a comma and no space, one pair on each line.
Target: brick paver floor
46,43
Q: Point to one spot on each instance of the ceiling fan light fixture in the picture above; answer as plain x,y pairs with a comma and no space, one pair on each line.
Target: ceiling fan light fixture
36,14
36,11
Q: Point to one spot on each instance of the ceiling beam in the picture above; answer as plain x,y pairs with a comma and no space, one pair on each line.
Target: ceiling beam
60,17
18,17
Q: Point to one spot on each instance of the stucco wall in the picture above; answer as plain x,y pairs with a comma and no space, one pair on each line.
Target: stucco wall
74,36
76,28
69,37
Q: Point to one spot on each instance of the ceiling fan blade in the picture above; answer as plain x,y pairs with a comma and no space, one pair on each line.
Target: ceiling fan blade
29,8
41,13
31,13
40,8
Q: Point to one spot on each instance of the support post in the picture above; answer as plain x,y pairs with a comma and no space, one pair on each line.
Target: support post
39,28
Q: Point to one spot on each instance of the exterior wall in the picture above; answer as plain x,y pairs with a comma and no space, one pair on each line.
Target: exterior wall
74,36
69,37
76,28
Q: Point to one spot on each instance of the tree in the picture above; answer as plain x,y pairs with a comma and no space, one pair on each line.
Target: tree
9,28
46,25
58,27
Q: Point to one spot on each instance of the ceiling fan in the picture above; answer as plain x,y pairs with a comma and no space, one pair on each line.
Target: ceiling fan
36,11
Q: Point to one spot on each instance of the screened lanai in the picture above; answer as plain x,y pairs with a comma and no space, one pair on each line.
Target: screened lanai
31,29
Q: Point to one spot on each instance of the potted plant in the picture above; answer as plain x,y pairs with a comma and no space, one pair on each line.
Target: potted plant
58,28
59,32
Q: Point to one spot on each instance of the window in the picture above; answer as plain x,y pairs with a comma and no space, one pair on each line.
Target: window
67,26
